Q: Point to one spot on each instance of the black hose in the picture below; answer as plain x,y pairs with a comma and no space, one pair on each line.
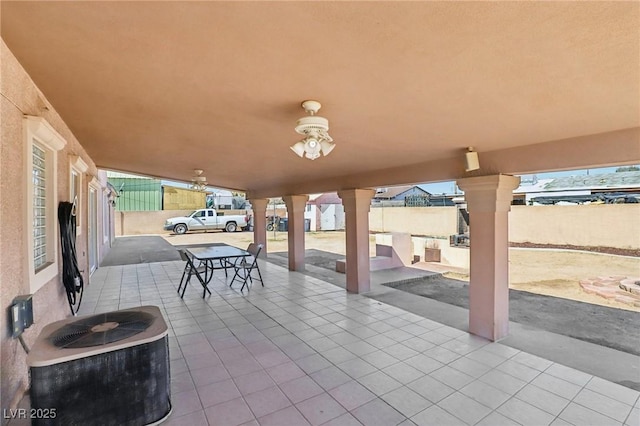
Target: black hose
71,277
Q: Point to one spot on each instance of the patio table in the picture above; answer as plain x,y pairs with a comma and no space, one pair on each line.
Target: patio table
221,253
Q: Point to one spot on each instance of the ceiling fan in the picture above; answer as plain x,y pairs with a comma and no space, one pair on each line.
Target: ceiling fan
316,133
198,182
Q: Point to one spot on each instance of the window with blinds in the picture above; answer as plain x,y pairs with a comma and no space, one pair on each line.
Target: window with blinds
39,207
41,147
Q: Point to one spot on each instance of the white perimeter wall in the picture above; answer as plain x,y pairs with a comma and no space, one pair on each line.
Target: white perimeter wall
609,225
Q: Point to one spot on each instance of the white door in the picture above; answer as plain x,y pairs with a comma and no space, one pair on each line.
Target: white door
328,217
93,230
339,217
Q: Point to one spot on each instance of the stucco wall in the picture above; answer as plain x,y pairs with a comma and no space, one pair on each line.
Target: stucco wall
152,222
139,223
21,97
432,221
608,225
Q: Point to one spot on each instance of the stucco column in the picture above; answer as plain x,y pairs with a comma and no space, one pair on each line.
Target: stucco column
489,201
357,203
295,213
259,207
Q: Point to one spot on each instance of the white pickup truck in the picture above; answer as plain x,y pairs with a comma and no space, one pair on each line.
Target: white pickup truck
206,219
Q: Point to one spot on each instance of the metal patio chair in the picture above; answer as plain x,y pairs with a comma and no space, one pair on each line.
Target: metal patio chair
191,269
246,265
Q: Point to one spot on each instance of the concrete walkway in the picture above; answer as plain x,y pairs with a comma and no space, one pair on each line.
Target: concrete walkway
140,249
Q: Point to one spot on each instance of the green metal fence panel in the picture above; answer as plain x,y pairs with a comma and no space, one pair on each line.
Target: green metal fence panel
137,194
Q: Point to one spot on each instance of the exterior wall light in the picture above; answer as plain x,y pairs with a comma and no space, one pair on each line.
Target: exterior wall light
472,162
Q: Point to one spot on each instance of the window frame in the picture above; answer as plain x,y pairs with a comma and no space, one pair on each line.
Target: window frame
37,131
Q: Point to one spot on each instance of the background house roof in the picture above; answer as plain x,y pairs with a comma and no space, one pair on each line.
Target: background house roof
163,88
607,180
395,191
327,198
532,186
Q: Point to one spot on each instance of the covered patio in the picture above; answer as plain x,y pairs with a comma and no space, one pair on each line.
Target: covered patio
302,351
195,90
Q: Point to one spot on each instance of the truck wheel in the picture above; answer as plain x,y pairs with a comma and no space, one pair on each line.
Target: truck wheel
180,228
270,227
231,227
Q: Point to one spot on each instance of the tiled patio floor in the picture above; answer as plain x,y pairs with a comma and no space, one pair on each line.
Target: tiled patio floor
301,351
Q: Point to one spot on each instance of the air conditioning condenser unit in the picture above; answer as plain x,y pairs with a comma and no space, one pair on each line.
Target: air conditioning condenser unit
103,369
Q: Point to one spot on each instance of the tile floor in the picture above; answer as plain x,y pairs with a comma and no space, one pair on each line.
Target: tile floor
301,351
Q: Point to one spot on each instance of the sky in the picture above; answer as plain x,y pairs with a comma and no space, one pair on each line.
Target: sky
450,188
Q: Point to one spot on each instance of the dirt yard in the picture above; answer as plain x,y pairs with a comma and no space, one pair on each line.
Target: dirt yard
549,272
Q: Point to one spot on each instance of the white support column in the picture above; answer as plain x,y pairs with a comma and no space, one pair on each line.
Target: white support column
295,213
259,207
357,203
489,201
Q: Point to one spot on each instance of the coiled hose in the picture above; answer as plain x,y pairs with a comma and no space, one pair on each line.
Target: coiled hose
71,277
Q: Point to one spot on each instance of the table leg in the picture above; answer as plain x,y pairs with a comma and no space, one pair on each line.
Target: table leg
208,271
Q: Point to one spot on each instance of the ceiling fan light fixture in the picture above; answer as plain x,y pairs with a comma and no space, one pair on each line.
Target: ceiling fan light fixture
316,131
198,182
298,148
327,147
311,148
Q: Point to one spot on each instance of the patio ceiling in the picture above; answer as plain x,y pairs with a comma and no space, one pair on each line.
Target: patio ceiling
163,88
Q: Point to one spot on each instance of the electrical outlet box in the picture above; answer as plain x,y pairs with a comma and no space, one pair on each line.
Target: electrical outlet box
21,314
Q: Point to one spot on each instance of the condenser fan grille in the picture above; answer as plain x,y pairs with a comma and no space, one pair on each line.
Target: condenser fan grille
101,329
